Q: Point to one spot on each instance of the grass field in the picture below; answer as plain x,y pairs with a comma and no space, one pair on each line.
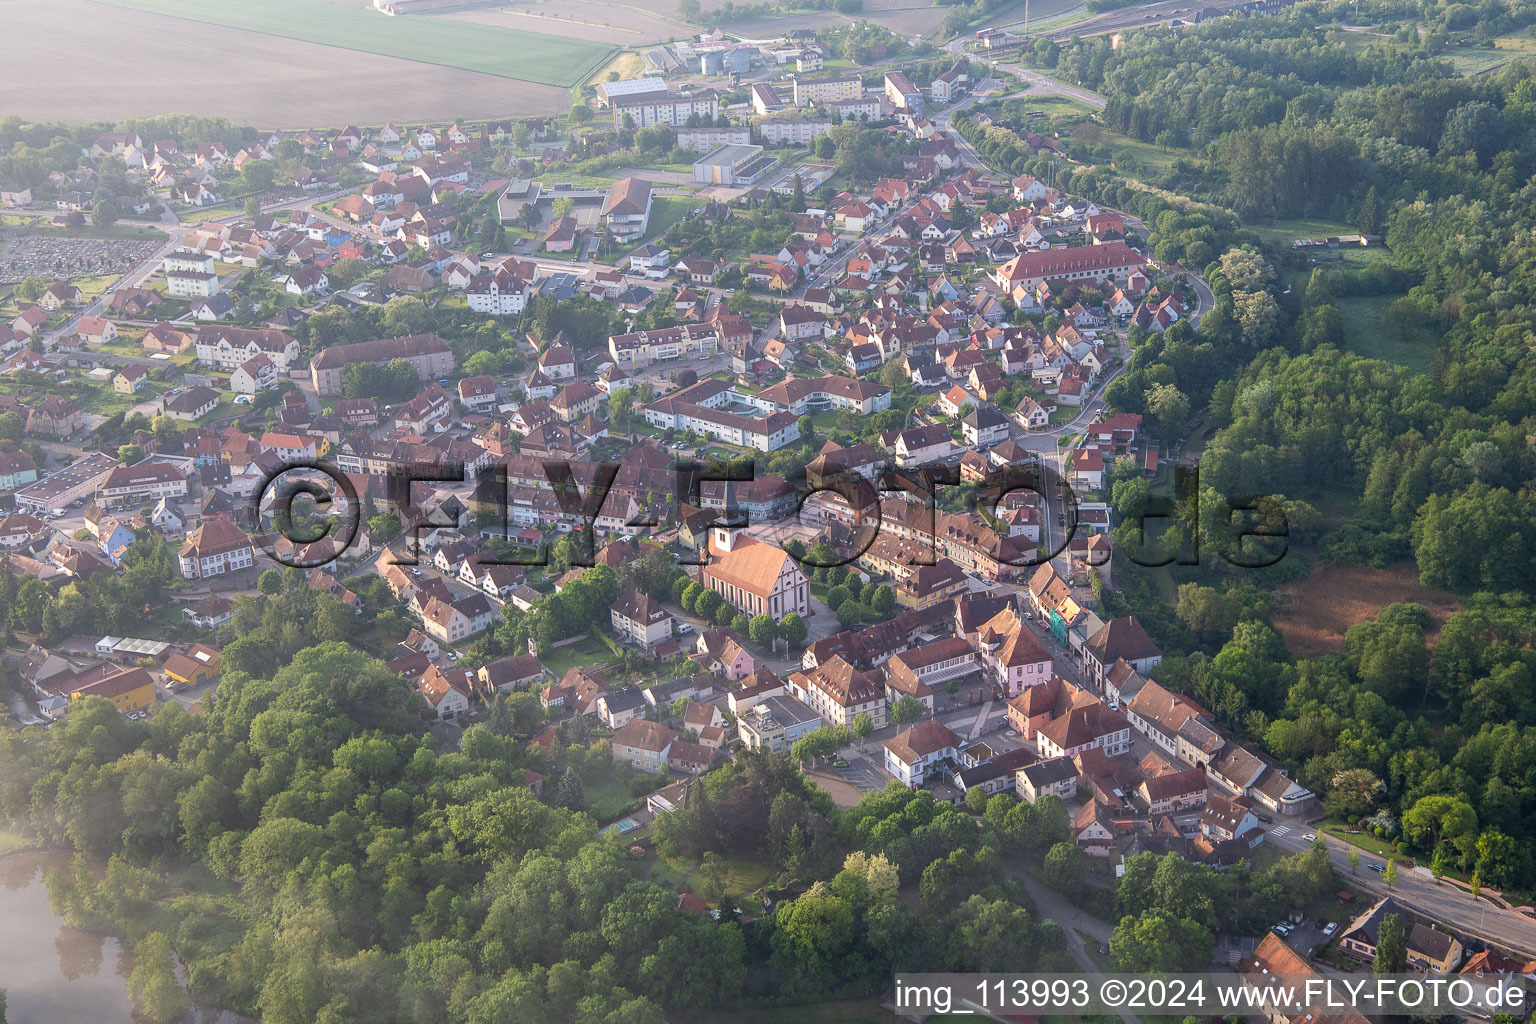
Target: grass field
504,52
1283,232
1370,336
588,20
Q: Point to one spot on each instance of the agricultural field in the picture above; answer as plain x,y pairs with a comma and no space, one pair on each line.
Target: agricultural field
590,20
903,17
1333,597
505,52
1043,15
283,83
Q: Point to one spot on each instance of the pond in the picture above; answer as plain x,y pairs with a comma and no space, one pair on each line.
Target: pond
52,973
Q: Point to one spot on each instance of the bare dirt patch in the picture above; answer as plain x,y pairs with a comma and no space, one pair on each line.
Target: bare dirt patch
53,71
1335,597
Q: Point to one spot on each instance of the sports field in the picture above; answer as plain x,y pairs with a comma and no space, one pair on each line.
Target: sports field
507,53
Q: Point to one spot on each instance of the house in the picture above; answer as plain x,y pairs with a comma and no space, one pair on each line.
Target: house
216,547
478,394
627,210
192,404
775,723
1173,792
513,672
1055,776
911,756
59,295
1091,726
618,708
1430,951
210,613
643,744
96,330
1274,961
16,470
1228,818
1121,639
650,260
307,280
201,664
130,379
255,374
129,690
447,691
984,426
54,416
127,484
638,618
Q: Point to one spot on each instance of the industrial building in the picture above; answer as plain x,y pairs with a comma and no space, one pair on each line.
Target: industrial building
649,84
732,165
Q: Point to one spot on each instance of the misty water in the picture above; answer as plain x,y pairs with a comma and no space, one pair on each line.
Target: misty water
52,973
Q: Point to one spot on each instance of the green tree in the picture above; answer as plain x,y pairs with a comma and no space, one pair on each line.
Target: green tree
270,581
153,981
1391,947
906,711
862,726
1390,874
1354,859
793,629
1065,865
764,630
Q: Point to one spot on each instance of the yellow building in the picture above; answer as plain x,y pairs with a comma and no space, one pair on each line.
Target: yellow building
129,690
201,664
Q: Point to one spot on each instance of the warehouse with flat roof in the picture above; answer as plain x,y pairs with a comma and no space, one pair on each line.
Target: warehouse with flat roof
732,165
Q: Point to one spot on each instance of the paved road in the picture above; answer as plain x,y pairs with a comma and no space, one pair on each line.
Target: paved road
1073,920
1417,891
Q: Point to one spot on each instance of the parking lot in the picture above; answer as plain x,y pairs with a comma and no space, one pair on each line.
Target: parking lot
864,772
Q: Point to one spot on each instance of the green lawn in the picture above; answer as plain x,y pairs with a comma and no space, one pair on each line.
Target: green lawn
504,52
584,652
1369,335
1283,232
665,211
1366,842
608,798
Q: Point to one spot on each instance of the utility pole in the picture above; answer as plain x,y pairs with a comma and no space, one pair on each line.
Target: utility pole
1026,16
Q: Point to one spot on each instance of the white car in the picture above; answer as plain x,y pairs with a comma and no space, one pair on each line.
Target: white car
1333,926
684,629
1310,837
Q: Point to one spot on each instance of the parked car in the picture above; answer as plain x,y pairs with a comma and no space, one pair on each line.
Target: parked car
1378,868
1266,819
839,764
684,629
1333,926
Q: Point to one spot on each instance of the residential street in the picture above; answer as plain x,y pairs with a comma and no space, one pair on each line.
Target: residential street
1417,890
